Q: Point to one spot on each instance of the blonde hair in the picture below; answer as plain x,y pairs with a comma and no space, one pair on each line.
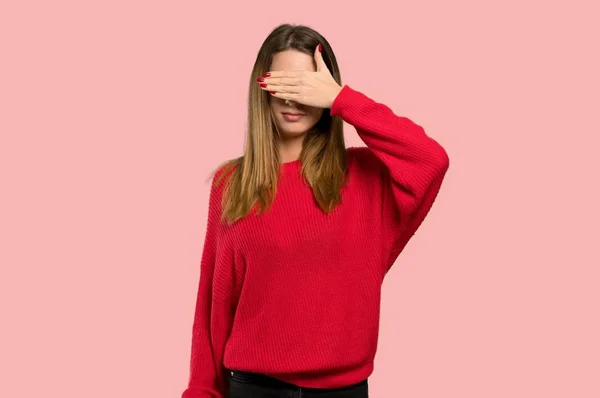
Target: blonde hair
252,177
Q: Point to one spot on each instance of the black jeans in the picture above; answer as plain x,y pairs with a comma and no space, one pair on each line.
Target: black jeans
254,385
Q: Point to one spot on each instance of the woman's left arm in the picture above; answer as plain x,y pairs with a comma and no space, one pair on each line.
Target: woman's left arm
416,164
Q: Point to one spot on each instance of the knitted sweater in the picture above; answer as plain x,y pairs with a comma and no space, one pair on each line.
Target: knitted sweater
294,293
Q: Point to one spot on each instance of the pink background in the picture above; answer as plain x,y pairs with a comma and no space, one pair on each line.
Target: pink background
113,114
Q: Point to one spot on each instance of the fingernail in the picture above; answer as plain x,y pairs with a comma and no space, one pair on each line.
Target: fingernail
266,74
260,79
263,85
272,92
320,47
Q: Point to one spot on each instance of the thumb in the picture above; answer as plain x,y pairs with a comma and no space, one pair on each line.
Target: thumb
319,59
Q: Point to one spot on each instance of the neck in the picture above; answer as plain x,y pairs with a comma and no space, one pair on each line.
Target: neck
290,148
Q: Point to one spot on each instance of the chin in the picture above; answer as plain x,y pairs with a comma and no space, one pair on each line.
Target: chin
293,130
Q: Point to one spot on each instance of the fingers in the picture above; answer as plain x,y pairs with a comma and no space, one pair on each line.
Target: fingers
281,73
280,81
287,96
290,92
280,88
284,84
319,59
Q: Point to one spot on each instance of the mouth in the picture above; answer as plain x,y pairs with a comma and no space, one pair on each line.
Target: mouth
292,116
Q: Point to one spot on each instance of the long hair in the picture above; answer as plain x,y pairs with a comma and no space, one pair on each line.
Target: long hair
252,177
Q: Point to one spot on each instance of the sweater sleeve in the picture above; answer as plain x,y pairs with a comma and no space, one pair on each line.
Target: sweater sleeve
413,165
207,375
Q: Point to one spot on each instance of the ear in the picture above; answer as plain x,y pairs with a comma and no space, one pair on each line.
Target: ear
320,62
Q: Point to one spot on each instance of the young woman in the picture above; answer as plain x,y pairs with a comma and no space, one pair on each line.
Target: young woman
302,230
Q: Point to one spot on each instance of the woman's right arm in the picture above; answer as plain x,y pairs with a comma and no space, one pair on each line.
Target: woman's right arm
207,378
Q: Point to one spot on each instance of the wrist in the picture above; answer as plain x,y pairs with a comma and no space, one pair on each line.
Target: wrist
335,94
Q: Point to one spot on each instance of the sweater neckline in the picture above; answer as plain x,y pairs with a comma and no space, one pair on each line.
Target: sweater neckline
292,164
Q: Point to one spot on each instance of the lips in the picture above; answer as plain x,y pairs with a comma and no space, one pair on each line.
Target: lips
292,117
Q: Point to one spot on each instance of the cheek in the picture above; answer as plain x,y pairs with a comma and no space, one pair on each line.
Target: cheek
315,114
273,105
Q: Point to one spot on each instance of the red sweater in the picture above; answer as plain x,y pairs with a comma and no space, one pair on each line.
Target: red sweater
294,293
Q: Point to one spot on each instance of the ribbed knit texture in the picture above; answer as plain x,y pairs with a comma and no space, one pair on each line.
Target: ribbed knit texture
295,293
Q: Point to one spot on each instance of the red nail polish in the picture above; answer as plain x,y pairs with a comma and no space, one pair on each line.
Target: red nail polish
263,85
272,92
320,47
260,79
266,74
